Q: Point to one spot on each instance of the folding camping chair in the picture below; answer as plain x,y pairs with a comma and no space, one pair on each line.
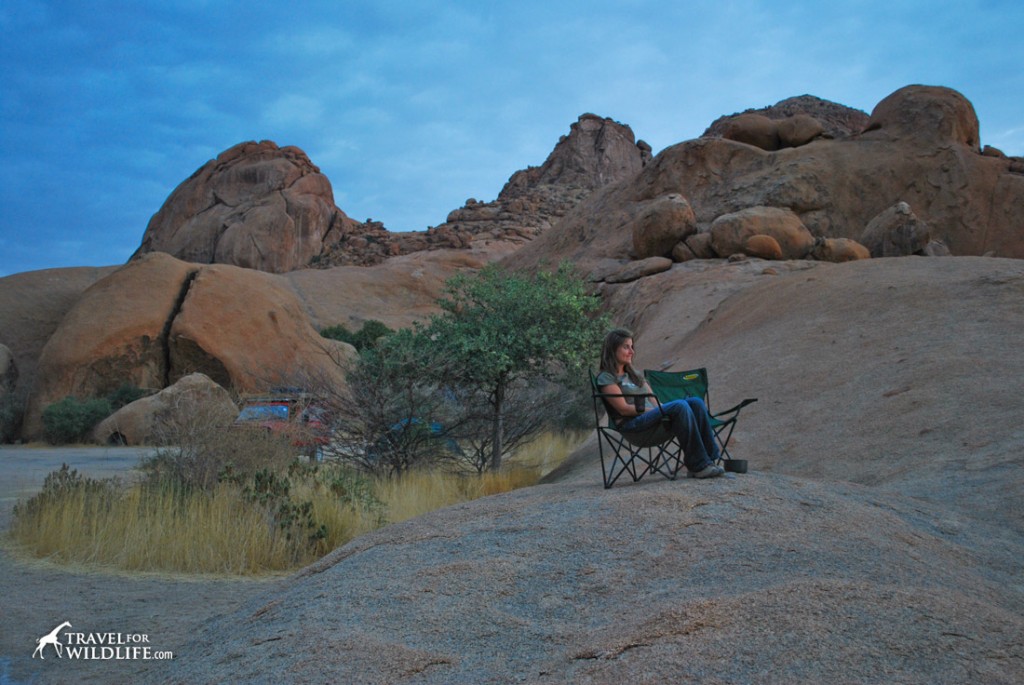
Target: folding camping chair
652,450
677,385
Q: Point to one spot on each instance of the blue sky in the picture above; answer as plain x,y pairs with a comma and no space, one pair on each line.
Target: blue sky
410,108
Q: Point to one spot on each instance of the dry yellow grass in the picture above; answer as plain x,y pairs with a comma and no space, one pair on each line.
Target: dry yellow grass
146,528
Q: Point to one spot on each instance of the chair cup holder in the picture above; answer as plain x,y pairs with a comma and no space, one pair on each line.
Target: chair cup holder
735,465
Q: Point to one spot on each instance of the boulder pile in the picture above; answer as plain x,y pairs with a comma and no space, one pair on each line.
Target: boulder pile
912,181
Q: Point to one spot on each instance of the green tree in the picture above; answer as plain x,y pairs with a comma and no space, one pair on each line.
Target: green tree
392,411
501,332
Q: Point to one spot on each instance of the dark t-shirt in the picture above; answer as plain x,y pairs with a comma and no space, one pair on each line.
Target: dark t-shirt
625,383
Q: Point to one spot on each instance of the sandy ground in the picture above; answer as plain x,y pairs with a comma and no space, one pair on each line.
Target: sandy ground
37,595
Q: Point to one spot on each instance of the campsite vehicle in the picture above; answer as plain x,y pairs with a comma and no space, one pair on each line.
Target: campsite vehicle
411,435
297,416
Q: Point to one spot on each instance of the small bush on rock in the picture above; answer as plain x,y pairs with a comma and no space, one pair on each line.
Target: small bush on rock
125,394
366,337
71,419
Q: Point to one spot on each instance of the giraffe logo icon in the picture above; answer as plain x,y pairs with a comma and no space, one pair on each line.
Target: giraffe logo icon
51,639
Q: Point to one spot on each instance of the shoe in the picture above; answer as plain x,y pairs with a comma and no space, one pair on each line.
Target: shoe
709,471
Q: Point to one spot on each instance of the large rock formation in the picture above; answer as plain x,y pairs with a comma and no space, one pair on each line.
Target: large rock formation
32,305
970,202
158,319
596,152
256,205
832,119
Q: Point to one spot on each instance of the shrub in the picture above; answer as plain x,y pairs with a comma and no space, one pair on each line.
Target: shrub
365,338
125,394
71,419
11,412
199,449
338,332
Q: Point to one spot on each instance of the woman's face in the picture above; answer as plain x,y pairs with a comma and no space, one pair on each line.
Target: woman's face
624,353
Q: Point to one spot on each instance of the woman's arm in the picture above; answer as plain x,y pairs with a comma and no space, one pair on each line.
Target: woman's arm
621,405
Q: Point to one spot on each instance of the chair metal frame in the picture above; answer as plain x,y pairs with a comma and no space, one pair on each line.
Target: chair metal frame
694,383
637,453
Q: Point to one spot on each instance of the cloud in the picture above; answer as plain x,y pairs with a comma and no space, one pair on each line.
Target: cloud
296,110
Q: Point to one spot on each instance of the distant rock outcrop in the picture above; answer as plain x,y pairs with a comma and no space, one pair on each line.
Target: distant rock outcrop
269,208
967,203
597,152
799,118
256,205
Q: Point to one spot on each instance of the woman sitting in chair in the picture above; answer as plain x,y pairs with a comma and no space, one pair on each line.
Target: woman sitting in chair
689,417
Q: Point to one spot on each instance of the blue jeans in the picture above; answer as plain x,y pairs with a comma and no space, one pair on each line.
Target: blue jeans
691,424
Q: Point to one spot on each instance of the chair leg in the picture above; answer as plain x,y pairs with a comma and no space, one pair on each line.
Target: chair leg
723,443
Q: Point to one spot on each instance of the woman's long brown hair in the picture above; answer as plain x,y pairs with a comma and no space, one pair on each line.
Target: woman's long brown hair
612,342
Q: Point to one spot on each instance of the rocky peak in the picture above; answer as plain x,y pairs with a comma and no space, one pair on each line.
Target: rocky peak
837,121
256,205
596,152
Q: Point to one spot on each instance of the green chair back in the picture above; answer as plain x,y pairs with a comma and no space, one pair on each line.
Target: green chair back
677,385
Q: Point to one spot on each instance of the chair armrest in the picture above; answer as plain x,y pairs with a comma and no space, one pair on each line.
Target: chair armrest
736,409
604,395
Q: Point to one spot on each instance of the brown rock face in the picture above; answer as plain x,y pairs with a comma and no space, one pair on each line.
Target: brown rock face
763,246
246,330
158,319
115,334
838,250
731,233
256,205
660,225
798,130
835,120
752,129
138,423
896,232
931,113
